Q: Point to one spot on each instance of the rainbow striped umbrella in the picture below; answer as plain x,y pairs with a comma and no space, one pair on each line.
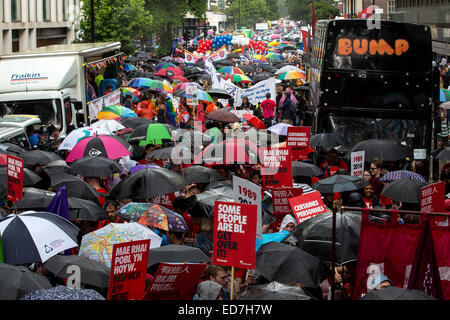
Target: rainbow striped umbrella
135,94
291,75
129,67
201,95
230,70
444,95
259,57
242,78
115,111
274,56
165,65
150,84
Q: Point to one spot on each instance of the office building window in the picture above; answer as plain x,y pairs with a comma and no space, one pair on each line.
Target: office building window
46,10
65,9
391,7
15,10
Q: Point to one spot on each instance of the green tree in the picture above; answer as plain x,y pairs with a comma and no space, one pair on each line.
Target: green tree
252,12
302,10
274,10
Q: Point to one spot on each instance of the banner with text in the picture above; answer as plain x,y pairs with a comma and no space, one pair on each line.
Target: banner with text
95,106
307,206
280,199
246,192
276,168
234,238
432,197
14,178
298,140
357,163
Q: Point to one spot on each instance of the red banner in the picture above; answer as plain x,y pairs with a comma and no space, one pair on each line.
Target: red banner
14,179
276,168
234,234
307,206
280,199
165,200
175,281
128,269
432,197
298,140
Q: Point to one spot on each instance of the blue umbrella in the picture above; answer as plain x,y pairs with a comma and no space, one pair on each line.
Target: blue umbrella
129,67
268,237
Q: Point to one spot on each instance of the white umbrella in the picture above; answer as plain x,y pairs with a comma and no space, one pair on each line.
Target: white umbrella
288,68
107,124
76,135
35,236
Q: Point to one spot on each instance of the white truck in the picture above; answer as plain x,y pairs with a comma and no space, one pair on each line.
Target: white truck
51,82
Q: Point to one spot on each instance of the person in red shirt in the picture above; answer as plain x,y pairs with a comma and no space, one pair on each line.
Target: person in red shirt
97,184
370,200
110,207
333,160
268,106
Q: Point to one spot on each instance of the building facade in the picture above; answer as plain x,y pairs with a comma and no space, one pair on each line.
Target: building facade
28,24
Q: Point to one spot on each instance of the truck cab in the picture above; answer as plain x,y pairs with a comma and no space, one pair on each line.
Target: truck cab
14,128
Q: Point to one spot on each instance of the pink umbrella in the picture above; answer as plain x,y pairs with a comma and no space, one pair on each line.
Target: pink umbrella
108,146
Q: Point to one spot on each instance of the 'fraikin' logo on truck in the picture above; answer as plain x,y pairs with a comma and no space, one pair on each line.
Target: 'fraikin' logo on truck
20,77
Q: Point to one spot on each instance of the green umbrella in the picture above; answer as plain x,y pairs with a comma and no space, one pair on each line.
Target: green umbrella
213,133
155,133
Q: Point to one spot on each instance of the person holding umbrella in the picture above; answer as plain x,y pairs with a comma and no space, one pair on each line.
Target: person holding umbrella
110,207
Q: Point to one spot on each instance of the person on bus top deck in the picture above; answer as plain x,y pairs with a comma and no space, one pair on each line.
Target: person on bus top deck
333,160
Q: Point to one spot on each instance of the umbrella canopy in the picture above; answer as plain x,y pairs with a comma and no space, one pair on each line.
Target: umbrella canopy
170,153
111,147
38,157
386,150
444,154
230,151
98,245
274,291
129,67
300,168
76,135
107,125
201,95
262,76
174,253
164,65
402,174
292,75
76,187
150,84
93,272
132,211
247,68
219,93
396,293
135,122
274,56
259,57
315,236
63,293
279,128
148,183
29,177
200,174
162,218
169,72
339,183
327,139
405,190
230,70
287,68
35,236
239,78
116,112
223,115
207,198
191,138
11,147
134,93
285,263
95,167
155,133
253,120
17,281
182,86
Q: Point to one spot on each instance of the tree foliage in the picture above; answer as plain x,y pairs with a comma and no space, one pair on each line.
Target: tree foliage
116,20
302,9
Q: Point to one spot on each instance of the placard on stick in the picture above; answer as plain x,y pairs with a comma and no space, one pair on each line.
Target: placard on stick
432,197
298,140
280,199
276,169
234,234
14,178
307,205
128,269
245,191
357,163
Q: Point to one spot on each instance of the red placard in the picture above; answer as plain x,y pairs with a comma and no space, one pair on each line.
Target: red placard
175,281
298,140
14,178
234,234
165,200
432,197
276,168
307,206
128,269
280,199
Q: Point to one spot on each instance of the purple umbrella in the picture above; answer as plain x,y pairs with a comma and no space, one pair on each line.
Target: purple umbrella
60,206
142,167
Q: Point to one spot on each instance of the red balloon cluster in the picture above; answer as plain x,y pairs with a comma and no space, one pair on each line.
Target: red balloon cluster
257,46
204,45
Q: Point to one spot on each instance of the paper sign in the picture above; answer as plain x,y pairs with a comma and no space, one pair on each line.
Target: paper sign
14,178
234,234
112,98
280,199
298,140
357,163
191,94
276,169
246,192
175,281
165,200
420,154
128,269
307,206
432,197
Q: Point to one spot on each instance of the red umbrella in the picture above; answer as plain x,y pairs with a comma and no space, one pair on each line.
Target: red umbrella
181,78
253,120
169,72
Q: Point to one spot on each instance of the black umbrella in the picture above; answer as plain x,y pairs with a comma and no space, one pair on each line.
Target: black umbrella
193,70
269,68
260,137
29,177
38,157
200,174
315,236
222,63
95,167
300,168
134,122
385,150
219,93
233,55
286,264
396,293
444,154
174,253
79,209
207,198
327,139
274,291
262,76
12,148
404,190
247,68
148,183
54,167
193,138
93,272
17,281
339,183
223,115
76,187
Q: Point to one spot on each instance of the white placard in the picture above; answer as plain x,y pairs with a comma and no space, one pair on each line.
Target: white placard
246,192
357,163
420,154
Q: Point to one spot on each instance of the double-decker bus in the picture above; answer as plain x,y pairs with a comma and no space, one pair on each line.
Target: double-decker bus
369,83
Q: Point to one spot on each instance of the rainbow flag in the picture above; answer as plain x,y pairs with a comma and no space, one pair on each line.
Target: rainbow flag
171,113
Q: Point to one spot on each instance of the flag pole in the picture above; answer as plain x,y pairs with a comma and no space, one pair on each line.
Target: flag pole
232,283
